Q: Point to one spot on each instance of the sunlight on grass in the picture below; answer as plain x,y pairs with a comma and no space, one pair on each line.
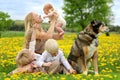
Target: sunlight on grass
108,60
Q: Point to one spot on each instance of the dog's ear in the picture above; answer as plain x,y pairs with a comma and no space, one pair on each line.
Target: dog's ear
96,23
93,22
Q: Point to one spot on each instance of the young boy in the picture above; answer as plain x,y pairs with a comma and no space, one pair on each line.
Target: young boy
53,60
50,13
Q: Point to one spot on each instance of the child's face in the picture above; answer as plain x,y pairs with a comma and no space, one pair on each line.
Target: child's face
30,67
54,54
46,11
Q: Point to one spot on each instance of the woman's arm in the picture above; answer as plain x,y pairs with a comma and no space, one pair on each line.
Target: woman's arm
33,36
56,36
49,14
46,35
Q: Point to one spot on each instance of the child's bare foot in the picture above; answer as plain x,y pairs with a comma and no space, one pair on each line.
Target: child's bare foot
60,37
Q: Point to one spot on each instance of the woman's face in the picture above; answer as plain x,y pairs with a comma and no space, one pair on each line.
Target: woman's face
37,18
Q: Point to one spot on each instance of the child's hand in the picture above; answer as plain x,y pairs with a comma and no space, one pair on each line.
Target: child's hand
44,17
47,64
72,71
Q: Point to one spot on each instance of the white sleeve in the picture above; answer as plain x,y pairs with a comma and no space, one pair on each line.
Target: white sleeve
40,61
64,61
32,46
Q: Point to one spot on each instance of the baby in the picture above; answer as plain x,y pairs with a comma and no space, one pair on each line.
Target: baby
50,12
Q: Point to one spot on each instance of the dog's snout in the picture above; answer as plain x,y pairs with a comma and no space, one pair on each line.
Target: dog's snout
108,30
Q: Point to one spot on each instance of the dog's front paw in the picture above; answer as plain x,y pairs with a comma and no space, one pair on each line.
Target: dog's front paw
96,73
85,72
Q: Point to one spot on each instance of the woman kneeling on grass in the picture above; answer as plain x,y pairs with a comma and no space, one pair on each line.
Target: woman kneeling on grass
34,21
35,38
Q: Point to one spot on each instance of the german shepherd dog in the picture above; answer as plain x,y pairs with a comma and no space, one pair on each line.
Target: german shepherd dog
85,46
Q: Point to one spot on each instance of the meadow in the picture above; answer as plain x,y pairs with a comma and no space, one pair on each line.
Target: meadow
108,58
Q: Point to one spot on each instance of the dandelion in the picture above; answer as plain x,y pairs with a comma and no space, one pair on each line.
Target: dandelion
108,57
7,79
63,78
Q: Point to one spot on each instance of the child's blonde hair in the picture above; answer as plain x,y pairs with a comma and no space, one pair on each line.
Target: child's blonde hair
23,58
51,46
48,6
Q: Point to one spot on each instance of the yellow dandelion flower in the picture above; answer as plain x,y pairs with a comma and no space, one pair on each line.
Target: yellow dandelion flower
62,78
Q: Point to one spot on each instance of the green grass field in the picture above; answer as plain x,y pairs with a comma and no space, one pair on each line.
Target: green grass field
11,34
11,42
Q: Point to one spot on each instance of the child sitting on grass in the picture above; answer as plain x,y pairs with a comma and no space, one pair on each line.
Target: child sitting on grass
53,60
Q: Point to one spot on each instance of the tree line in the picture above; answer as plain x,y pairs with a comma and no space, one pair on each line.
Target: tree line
78,14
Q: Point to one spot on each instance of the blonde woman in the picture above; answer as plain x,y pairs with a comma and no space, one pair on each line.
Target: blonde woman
33,23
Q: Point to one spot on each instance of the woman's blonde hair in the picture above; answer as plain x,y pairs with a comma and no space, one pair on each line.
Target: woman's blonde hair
51,46
29,20
28,24
23,58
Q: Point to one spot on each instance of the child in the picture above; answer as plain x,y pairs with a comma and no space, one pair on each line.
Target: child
27,59
26,62
50,13
53,60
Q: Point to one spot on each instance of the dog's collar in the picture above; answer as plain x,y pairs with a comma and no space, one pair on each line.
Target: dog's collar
91,35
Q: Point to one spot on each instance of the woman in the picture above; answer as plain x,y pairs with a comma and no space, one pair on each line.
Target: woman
33,20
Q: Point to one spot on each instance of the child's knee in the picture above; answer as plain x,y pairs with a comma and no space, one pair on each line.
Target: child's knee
56,63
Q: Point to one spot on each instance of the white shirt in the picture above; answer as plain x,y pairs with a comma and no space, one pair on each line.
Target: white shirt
47,57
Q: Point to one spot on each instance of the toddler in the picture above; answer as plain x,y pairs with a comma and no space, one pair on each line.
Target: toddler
53,60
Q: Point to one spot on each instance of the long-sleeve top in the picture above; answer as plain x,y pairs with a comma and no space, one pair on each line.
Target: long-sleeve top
32,49
47,57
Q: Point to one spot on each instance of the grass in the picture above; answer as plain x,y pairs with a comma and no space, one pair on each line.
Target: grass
11,33
108,58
